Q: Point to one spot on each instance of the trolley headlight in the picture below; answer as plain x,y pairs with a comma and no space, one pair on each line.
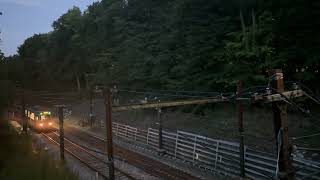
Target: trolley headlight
41,124
50,123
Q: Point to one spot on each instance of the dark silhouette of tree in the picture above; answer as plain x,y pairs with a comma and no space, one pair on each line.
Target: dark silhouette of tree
179,44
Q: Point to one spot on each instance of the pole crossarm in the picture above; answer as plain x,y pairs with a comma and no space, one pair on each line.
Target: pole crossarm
279,97
167,104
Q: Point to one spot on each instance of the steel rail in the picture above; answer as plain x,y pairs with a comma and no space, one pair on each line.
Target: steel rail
87,152
90,153
147,165
74,155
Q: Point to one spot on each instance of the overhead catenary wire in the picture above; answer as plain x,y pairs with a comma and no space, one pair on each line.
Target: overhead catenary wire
230,95
306,136
308,149
224,95
204,92
287,100
40,93
175,91
167,95
312,96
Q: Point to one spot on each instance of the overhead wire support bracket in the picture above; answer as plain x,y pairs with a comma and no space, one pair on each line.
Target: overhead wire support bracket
279,97
267,98
167,104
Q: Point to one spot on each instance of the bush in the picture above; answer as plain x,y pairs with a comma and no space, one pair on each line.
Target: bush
18,161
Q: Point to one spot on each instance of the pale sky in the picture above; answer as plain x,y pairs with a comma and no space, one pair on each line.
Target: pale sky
23,18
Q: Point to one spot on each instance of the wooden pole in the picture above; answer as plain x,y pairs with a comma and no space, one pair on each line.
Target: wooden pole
109,133
23,113
280,121
91,107
23,109
61,132
160,130
240,128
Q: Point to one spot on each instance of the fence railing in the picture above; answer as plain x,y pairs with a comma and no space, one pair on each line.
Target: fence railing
213,154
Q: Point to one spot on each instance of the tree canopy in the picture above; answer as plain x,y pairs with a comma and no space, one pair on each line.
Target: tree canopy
179,44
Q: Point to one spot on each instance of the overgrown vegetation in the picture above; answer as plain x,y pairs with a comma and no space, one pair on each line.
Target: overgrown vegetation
177,44
18,161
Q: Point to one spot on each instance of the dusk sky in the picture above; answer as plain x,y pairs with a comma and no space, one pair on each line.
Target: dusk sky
23,18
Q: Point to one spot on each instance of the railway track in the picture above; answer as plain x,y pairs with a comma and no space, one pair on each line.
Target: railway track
149,165
87,157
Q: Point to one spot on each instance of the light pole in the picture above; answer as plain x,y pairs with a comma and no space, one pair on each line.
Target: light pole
89,88
0,27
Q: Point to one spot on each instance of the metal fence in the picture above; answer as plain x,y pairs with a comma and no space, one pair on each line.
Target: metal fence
214,154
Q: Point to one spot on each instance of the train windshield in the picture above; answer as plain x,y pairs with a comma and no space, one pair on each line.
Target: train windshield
45,115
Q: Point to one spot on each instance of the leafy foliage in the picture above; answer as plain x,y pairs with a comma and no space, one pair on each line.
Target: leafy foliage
179,44
19,160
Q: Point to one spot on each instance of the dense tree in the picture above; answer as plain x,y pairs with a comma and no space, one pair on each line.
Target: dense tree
179,44
5,84
1,55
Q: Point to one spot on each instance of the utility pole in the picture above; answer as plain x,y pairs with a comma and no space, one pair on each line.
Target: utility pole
91,107
23,113
0,27
280,121
61,131
108,103
115,96
23,109
240,126
89,85
160,131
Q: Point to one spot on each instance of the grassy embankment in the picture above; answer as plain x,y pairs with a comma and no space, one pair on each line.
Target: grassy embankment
18,161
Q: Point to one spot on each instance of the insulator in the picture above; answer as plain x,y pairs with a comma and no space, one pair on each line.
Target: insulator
255,94
295,86
268,91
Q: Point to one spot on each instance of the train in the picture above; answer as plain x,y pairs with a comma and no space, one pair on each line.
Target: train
39,118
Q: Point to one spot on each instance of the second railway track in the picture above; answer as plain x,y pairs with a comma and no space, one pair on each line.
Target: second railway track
149,165
90,159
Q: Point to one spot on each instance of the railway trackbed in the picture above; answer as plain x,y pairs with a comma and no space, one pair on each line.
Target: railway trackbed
149,165
90,159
